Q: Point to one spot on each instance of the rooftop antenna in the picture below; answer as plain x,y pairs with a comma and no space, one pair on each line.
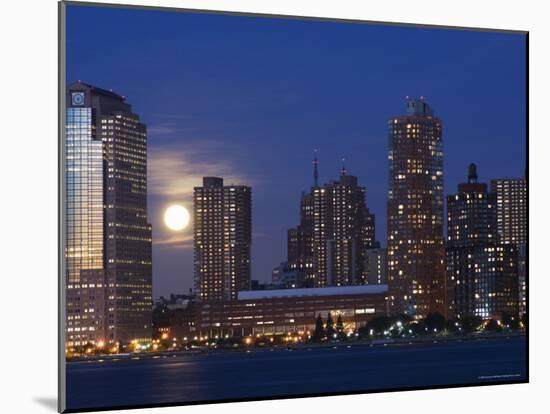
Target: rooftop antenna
315,170
344,171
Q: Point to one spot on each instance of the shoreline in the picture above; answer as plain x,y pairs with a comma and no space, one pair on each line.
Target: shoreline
380,342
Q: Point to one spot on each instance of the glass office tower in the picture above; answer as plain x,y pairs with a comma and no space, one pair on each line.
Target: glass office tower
85,225
108,252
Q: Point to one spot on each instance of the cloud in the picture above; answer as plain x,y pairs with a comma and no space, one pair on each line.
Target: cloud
183,242
175,168
165,129
172,127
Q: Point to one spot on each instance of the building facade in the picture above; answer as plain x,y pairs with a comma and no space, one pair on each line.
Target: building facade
272,312
511,198
481,271
174,318
416,271
343,228
285,277
522,278
512,210
300,239
335,229
376,266
222,239
108,251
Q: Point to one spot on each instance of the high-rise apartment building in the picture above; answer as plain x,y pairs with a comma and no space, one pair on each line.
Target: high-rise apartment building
108,238
335,229
343,228
222,239
416,272
481,272
511,198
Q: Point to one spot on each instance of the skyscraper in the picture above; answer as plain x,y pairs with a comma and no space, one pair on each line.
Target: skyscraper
300,238
108,252
335,229
481,272
511,198
222,237
343,228
416,273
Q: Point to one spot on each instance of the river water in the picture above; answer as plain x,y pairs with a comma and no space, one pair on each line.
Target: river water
181,378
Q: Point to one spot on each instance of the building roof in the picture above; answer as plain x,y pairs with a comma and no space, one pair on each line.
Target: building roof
321,291
100,91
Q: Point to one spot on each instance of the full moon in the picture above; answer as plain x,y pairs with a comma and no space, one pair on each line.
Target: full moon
176,217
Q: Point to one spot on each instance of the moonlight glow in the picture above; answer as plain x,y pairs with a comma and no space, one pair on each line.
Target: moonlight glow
176,217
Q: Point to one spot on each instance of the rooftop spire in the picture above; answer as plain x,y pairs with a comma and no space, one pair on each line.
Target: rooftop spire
315,170
472,174
344,171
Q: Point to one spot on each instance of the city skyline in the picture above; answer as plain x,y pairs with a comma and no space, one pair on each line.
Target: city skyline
481,108
109,283
341,205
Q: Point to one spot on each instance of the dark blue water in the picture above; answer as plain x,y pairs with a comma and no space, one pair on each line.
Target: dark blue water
218,376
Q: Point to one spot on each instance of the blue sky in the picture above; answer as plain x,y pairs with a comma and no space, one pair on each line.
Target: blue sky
250,98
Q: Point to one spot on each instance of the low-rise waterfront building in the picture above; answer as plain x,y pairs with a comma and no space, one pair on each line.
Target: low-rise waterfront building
272,312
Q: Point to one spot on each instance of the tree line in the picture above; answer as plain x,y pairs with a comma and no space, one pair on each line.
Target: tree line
403,326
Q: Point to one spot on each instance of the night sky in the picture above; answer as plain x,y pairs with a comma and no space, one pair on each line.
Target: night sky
250,98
